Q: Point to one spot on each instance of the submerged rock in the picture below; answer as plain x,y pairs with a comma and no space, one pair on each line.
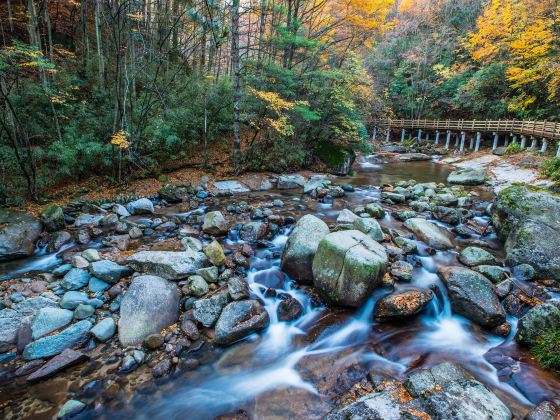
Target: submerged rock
473,296
301,247
167,264
240,319
348,266
150,305
18,234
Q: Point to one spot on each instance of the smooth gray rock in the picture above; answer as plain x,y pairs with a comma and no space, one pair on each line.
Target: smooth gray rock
150,305
71,408
430,233
75,279
370,227
230,187
109,271
214,224
72,299
289,182
104,329
168,264
48,320
301,247
492,272
19,233
207,311
73,336
141,206
348,266
473,296
346,217
240,319
472,256
467,176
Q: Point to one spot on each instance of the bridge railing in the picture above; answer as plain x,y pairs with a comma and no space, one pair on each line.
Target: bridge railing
544,129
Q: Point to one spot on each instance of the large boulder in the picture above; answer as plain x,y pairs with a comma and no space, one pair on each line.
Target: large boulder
297,259
538,320
168,264
467,176
214,223
348,266
430,233
239,319
141,206
176,193
150,305
53,218
399,305
473,296
290,182
18,234
527,219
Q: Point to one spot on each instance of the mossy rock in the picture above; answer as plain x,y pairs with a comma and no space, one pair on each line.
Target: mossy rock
53,218
339,159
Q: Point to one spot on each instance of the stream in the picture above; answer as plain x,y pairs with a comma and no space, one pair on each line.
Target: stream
300,369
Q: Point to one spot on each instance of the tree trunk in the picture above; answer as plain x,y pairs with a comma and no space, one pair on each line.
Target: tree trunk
236,151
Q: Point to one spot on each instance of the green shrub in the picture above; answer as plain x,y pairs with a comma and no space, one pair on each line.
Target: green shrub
551,169
546,349
513,149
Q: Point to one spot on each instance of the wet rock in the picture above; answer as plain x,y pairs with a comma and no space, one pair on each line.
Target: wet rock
141,206
215,253
163,368
73,336
472,256
314,183
71,408
96,286
346,217
86,219
375,210
518,304
348,266
72,299
109,271
289,309
57,364
240,319
175,193
75,279
545,410
468,176
190,329
207,311
237,288
196,286
448,215
394,197
400,305
370,227
58,239
104,329
18,234
473,296
492,272
404,215
210,274
502,330
402,270
191,243
290,182
430,233
153,341
167,264
253,231
83,311
409,246
135,233
53,218
48,320
91,255
150,305
503,288
524,272
537,320
109,220
128,364
214,224
301,247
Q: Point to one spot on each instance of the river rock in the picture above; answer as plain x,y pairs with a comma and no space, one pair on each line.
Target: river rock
375,210
197,286
370,227
109,271
191,243
348,266
207,311
527,219
240,319
400,305
57,364
48,320
75,279
430,233
104,329
467,176
402,270
10,322
150,305
141,206
346,217
72,299
289,309
83,311
210,274
53,218
214,224
230,187
290,182
537,320
302,244
545,410
70,409
167,264
409,246
58,239
316,182
472,256
492,272
175,193
18,234
253,231
473,296
73,336
215,253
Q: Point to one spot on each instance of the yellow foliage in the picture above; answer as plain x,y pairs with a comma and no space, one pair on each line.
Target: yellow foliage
120,140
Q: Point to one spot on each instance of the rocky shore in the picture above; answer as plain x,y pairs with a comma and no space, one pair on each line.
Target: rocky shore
140,293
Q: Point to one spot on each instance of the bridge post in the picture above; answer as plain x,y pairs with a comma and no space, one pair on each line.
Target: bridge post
374,136
463,136
419,135
457,141
477,146
447,139
437,138
544,145
427,137
533,144
558,150
403,132
514,140
523,141
496,140
471,145
388,134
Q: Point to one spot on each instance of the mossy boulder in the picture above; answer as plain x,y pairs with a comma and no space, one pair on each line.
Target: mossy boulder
537,320
348,266
53,218
339,159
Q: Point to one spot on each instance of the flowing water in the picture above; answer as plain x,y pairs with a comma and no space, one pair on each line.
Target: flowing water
298,369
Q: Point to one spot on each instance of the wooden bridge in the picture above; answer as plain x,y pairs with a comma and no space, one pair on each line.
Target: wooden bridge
540,133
